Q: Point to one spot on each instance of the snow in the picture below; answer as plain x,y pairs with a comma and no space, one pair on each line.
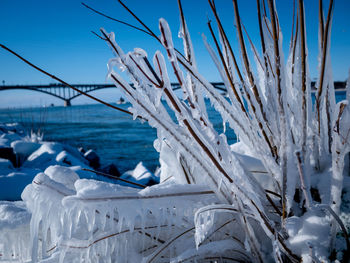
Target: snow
24,148
310,231
5,166
63,175
14,229
13,183
13,215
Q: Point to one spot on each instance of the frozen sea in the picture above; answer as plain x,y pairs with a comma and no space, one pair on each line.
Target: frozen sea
112,134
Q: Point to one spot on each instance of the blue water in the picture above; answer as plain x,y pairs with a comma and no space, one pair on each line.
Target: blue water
112,134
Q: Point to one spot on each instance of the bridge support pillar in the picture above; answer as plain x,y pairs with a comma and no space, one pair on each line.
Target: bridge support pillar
67,103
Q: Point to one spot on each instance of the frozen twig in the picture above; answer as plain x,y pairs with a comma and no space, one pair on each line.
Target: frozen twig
62,81
306,192
249,72
281,110
116,20
115,178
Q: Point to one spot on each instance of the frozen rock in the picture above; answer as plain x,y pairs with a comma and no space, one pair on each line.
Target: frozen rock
24,148
4,142
81,150
252,164
44,156
111,169
7,153
140,175
49,147
75,153
93,158
170,170
141,172
12,127
64,158
10,137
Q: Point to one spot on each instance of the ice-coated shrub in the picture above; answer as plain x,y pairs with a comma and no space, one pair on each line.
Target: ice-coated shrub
213,204
301,145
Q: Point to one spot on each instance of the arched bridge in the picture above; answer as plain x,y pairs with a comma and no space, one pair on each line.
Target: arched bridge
67,94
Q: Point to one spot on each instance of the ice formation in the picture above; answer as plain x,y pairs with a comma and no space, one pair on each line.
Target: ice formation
92,220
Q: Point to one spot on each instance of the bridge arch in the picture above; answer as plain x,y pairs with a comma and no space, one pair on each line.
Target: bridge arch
59,91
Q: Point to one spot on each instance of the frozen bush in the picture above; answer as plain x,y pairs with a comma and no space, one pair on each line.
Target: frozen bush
213,203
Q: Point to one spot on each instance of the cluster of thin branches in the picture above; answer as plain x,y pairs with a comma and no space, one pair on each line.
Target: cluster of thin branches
264,110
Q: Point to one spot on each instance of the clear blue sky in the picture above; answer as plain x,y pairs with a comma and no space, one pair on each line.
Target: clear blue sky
56,35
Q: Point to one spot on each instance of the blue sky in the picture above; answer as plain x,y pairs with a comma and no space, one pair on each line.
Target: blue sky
56,36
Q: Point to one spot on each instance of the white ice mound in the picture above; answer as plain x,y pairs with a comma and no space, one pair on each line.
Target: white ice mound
140,175
310,231
64,158
45,155
252,164
13,215
43,198
14,232
63,175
